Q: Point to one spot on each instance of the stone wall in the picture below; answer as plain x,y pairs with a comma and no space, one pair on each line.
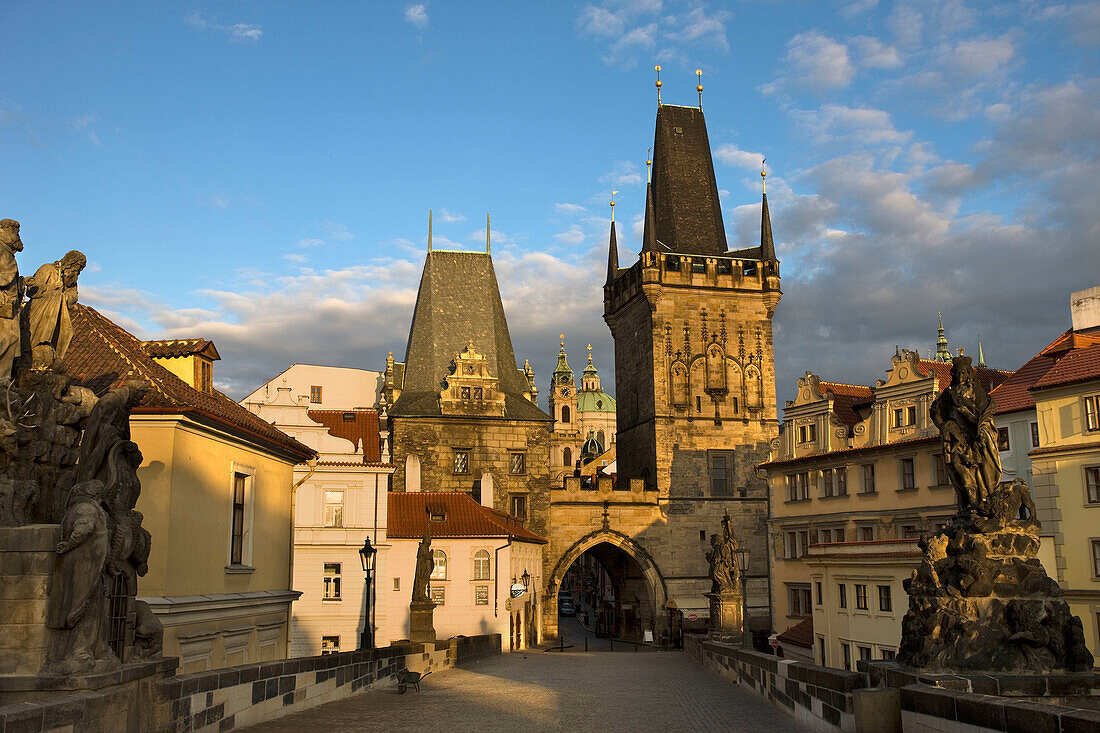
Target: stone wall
236,697
925,709
27,558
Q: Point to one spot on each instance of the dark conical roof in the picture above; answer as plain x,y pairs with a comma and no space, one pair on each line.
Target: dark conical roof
686,213
767,247
458,302
612,256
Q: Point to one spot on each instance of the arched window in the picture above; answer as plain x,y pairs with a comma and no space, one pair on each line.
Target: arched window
567,458
565,413
602,437
481,565
439,565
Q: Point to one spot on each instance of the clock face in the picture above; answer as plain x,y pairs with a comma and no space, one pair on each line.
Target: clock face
564,391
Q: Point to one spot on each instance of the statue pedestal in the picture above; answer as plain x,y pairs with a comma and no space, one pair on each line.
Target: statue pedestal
725,617
421,625
27,559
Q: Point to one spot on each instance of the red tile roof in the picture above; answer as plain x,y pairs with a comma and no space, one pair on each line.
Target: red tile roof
1072,357
464,517
102,355
829,455
1013,394
1079,365
801,634
361,429
169,348
844,397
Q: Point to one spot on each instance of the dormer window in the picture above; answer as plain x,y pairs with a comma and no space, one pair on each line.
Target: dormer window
807,433
465,393
206,376
477,393
438,515
349,417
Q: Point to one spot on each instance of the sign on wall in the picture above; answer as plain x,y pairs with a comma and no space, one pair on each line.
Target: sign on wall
517,590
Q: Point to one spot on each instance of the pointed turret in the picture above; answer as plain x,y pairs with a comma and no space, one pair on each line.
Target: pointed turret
767,247
563,374
612,256
981,354
591,379
649,237
942,352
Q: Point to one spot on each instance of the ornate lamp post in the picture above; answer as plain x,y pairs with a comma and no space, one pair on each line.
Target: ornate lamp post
526,579
743,566
366,555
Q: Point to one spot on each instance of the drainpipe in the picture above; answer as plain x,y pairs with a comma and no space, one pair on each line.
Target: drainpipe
496,569
312,463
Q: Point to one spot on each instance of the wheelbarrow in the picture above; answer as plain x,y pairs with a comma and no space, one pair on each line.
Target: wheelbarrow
406,679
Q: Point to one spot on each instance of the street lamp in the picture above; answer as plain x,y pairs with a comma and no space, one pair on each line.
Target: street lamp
526,578
366,555
743,566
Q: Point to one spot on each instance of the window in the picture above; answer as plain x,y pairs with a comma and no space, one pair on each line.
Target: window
698,403
939,471
464,393
481,565
864,652
1096,558
798,599
517,465
1003,443
868,472
910,531
827,482
481,595
887,653
567,457
519,506
330,645
867,533
439,565
832,534
477,393
462,461
798,486
842,595
565,413
885,603
1092,412
1092,484
439,595
817,591
698,264
905,416
721,472
206,376
834,482
796,543
672,264
332,581
1034,435
397,584
807,433
847,656
821,650
239,550
911,415
861,596
315,394
334,509
841,475
908,476
601,436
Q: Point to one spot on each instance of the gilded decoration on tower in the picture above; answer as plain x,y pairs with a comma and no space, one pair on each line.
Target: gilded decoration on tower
470,389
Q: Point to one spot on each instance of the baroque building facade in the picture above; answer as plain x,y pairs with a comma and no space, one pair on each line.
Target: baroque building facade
581,414
695,384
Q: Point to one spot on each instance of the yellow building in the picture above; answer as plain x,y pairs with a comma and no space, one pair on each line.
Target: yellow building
855,467
216,496
1062,384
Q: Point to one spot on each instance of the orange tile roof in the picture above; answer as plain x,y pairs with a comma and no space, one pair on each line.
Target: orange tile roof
169,348
1079,365
845,396
102,355
1070,358
801,634
829,455
361,430
409,517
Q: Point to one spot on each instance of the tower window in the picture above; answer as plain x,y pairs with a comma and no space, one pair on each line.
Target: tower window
565,414
698,403
567,457
698,264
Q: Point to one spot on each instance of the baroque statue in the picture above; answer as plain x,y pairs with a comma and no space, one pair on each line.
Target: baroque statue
52,290
981,600
423,573
724,575
11,297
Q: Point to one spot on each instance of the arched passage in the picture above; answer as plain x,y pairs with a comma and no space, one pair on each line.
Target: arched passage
626,597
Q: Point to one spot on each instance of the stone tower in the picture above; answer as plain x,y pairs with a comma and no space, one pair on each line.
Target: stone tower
695,378
562,401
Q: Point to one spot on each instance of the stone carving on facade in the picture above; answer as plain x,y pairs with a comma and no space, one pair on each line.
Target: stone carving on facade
981,600
52,290
76,610
11,297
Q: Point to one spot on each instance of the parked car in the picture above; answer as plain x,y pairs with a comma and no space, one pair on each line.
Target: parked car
566,609
564,597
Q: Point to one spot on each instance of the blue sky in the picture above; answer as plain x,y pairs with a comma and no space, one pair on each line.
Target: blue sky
260,173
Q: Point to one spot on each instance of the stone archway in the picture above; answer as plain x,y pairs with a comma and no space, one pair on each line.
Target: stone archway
655,582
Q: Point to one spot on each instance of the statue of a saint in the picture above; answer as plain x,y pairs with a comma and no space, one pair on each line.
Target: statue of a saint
106,451
76,608
964,414
11,297
424,565
724,573
52,291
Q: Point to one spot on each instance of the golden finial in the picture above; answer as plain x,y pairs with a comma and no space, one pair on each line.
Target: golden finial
590,349
763,176
657,68
487,233
429,230
648,163
613,206
563,340
699,88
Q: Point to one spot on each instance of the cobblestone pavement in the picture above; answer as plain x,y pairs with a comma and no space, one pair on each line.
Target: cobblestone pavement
549,691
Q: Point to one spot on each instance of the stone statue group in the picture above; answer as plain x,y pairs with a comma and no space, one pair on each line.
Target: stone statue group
66,458
981,600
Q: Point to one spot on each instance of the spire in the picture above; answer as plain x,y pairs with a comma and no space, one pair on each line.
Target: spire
981,354
612,256
942,352
429,230
649,237
657,68
699,86
767,247
486,233
562,373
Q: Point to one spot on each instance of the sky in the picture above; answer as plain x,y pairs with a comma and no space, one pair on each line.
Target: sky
260,173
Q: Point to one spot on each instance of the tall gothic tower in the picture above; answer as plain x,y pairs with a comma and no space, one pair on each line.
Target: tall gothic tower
695,378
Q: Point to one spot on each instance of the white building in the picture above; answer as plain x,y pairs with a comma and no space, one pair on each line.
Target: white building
479,554
339,502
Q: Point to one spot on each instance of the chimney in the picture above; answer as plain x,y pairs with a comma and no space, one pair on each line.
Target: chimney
1084,308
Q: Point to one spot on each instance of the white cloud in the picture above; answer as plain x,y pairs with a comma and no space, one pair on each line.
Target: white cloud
816,63
857,7
295,257
874,54
864,126
631,28
732,155
498,237
83,121
622,173
573,235
417,15
238,32
448,217
337,232
571,209
310,242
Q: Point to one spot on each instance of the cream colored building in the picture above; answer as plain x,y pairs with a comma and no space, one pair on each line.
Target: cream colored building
1061,386
479,553
339,501
215,495
855,466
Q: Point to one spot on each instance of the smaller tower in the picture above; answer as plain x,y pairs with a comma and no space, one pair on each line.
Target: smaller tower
563,392
942,352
